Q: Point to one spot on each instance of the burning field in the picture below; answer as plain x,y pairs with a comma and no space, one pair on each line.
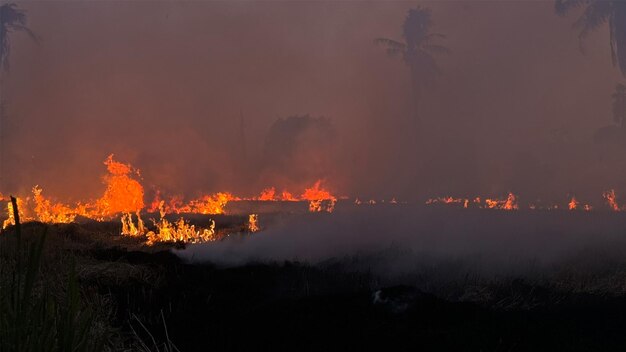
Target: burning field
313,176
489,268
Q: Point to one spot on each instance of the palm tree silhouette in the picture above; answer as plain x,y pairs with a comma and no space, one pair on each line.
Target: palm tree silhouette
597,13
417,51
12,19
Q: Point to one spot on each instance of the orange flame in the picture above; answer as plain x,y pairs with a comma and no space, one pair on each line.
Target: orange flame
123,194
319,198
611,199
268,194
52,213
253,223
287,197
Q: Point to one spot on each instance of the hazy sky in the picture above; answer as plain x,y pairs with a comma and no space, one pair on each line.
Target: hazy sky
163,85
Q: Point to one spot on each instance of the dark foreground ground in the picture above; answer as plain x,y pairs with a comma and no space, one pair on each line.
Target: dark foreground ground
148,299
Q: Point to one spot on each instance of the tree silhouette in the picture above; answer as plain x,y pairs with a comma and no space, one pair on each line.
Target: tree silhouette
595,14
619,105
12,19
417,51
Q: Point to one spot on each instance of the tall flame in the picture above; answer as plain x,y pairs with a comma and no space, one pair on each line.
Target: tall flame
123,194
253,223
611,199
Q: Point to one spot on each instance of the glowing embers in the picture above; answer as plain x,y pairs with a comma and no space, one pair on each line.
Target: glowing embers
511,202
449,200
574,204
508,203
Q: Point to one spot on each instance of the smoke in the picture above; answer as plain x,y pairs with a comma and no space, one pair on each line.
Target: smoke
297,149
166,86
399,239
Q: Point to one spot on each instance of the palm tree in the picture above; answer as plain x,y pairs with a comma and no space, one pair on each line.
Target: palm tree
619,105
12,19
597,13
417,51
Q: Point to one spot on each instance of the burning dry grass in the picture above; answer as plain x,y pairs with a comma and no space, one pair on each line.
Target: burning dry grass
124,198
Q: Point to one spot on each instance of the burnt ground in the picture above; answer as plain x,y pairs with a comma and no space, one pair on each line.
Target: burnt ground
150,293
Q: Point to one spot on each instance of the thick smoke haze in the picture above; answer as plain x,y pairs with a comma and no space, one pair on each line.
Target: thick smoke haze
189,91
397,240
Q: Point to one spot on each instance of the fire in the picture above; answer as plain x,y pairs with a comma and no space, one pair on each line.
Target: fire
253,223
123,194
268,194
287,197
156,203
11,219
129,228
319,198
611,199
448,200
124,197
52,213
206,204
24,215
511,203
179,231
